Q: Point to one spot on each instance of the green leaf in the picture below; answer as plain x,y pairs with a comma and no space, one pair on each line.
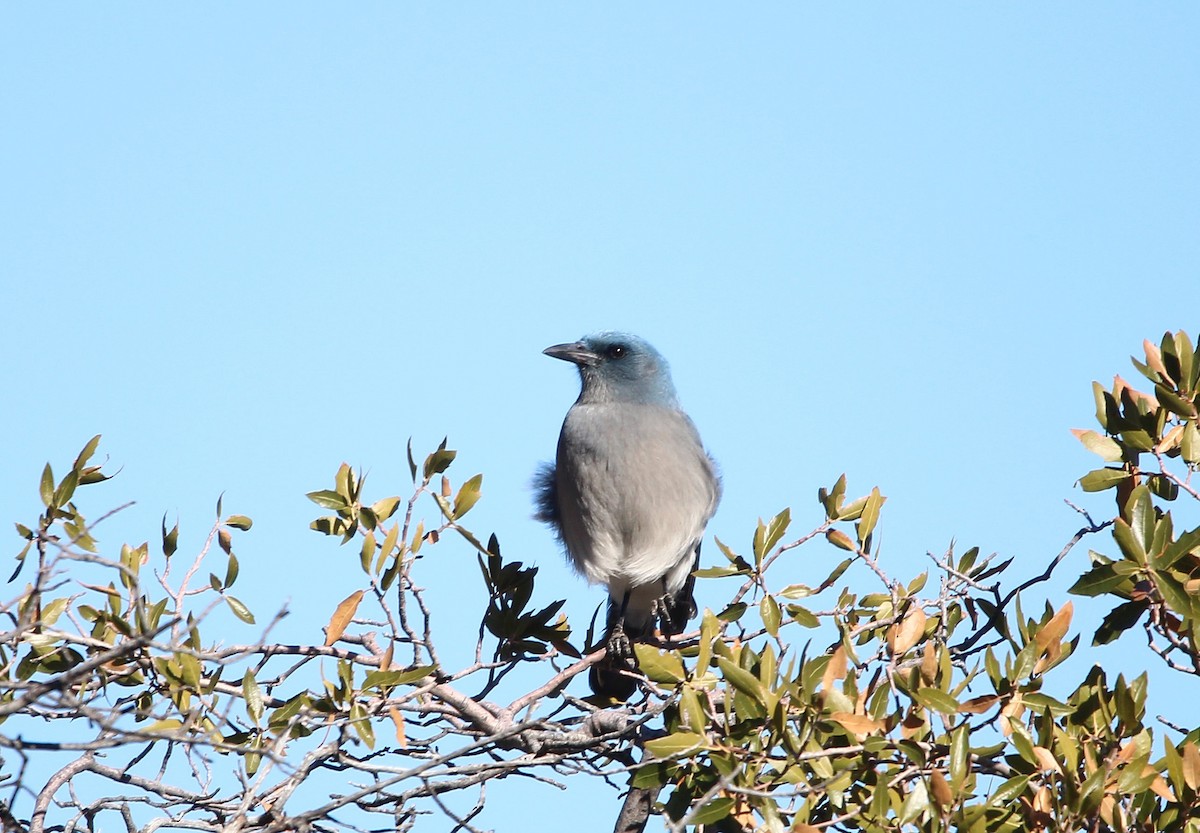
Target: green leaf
1139,510
1174,766
1099,394
1186,354
1138,439
742,680
1101,579
468,496
439,461
1163,487
831,499
768,609
328,525
915,803
729,554
691,711
390,678
239,522
1008,791
1105,447
936,700
918,584
1130,546
282,715
412,464
231,570
677,743
653,774
767,535
870,515
367,554
712,812
660,666
46,487
718,572
361,722
802,616
709,628
1101,479
1173,401
959,749
86,453
1187,543
343,482
1091,791
835,574
66,489
1189,446
166,727
385,508
253,696
1174,593
733,612
252,760
52,610
240,610
328,499
170,540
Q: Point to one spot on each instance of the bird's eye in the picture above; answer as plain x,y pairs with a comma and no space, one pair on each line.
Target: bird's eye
616,351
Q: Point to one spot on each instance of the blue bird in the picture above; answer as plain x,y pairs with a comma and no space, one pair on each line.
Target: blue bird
629,495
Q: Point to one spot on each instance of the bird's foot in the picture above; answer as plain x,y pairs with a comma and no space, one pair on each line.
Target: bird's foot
618,645
671,616
612,676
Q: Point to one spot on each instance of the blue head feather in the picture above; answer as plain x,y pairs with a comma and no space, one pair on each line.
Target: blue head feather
619,367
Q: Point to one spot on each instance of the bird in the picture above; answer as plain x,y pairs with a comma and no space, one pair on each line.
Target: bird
629,495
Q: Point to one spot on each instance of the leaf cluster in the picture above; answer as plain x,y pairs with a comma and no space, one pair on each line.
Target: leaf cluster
822,694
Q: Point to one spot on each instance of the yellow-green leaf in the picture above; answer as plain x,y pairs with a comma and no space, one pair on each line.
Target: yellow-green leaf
46,487
676,744
253,696
870,515
468,496
659,666
1101,479
239,522
1105,447
768,609
240,610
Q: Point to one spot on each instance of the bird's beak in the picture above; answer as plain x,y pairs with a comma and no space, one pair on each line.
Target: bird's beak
576,352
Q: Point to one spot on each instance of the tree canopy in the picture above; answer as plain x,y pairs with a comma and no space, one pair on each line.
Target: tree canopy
859,700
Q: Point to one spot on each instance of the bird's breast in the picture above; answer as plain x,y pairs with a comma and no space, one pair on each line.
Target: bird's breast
635,489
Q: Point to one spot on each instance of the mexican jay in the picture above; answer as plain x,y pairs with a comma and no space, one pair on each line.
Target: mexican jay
630,494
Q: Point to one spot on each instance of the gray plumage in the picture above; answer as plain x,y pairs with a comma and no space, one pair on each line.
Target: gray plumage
630,493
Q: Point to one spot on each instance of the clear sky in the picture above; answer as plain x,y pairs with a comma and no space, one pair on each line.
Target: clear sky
248,242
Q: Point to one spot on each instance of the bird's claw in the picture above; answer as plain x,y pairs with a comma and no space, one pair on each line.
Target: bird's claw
670,618
619,647
612,675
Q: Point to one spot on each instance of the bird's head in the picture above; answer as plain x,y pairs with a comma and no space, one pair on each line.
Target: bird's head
618,367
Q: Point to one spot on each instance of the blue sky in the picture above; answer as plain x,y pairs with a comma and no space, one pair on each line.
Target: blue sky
248,243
